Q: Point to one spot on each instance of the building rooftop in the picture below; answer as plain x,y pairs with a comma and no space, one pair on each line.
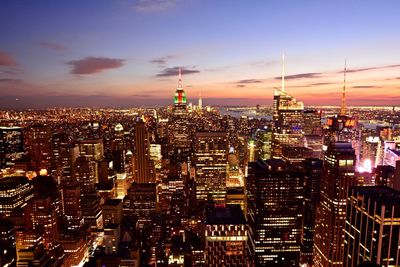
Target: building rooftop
229,214
112,202
12,182
381,194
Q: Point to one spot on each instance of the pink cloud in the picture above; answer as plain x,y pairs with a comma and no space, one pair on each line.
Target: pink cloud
6,60
91,65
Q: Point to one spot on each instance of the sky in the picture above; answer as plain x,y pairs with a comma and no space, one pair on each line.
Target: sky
126,53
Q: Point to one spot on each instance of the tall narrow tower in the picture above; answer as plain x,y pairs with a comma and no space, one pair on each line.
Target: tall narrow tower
180,95
343,108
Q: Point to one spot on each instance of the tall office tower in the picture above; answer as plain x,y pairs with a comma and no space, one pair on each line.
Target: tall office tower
11,145
44,221
68,156
118,149
288,120
313,173
338,176
179,130
274,212
211,151
312,122
15,192
43,211
142,153
72,207
143,201
372,226
85,175
226,236
59,140
39,145
180,97
8,256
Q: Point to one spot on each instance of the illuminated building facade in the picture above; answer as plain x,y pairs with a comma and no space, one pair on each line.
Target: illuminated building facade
372,226
85,175
288,120
225,236
143,201
180,96
338,176
8,256
39,145
274,212
11,145
91,148
211,151
312,122
312,181
72,208
142,153
112,211
15,192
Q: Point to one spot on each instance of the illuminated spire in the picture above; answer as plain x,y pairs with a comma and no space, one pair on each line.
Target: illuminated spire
283,73
343,108
180,78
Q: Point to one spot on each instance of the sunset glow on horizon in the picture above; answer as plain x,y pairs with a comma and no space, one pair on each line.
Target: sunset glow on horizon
127,53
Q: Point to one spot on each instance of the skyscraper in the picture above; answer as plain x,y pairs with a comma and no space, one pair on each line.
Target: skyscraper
211,152
11,145
338,176
39,145
288,120
313,173
372,226
180,96
142,153
15,192
226,236
275,207
179,127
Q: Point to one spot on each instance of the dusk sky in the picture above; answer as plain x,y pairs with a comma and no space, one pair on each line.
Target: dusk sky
127,53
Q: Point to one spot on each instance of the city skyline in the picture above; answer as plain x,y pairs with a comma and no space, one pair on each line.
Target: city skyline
127,53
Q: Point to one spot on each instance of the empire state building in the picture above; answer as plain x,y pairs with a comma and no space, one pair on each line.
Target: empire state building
180,96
